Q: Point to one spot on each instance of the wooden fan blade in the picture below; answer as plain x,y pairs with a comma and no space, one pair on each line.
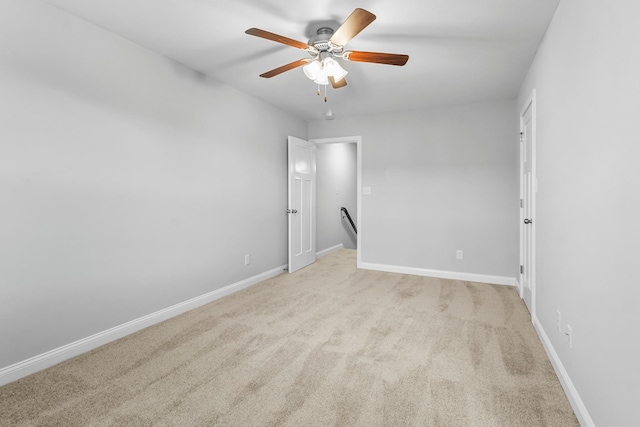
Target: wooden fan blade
276,38
338,84
376,57
356,22
280,70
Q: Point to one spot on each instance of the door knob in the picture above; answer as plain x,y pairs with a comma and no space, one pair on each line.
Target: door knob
528,221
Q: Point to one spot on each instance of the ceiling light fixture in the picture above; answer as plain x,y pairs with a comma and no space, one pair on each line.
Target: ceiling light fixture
321,70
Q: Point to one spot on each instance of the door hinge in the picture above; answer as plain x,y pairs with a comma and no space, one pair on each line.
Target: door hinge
521,136
521,203
521,269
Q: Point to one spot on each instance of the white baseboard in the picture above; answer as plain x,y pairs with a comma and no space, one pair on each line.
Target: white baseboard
45,360
519,287
469,277
570,390
329,250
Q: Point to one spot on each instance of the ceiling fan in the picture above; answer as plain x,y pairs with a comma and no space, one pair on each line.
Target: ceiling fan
327,46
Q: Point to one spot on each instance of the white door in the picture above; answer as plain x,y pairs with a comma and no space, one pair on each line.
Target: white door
527,224
302,203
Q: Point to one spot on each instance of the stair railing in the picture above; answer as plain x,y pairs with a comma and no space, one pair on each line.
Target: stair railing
345,213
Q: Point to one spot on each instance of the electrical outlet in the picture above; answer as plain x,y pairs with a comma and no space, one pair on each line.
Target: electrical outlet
559,320
569,334
247,259
459,254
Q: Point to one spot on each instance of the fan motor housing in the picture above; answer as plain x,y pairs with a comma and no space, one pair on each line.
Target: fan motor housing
321,40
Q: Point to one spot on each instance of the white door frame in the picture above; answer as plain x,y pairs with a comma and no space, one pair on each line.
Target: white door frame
529,103
358,141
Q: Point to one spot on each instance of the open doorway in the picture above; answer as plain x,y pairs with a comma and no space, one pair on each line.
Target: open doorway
338,186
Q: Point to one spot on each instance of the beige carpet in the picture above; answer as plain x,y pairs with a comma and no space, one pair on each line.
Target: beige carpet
329,345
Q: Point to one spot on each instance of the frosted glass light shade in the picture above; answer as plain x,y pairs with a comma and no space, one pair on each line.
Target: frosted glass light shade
312,70
321,79
334,69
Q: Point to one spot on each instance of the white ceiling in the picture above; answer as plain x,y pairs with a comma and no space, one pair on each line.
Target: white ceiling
460,50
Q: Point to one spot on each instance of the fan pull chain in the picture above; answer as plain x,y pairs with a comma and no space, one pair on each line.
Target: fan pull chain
325,92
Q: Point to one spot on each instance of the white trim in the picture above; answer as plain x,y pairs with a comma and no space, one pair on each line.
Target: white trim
570,390
358,141
45,360
518,286
329,250
469,277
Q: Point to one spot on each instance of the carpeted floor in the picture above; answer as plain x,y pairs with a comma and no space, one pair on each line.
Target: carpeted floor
329,345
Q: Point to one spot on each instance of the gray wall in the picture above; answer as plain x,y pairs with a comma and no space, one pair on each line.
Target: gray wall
441,180
586,77
335,188
128,183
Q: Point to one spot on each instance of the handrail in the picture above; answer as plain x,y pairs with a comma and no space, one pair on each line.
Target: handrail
346,212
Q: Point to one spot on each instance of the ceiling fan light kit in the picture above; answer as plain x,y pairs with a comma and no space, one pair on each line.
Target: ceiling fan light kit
327,46
320,71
